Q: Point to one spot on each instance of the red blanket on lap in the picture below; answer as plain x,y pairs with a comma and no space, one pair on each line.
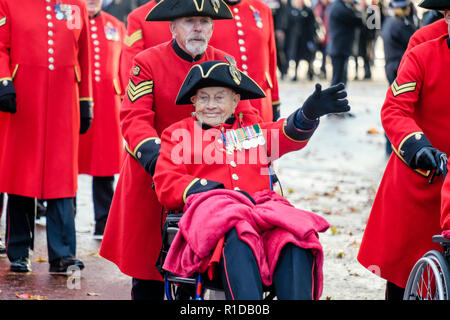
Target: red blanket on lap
266,227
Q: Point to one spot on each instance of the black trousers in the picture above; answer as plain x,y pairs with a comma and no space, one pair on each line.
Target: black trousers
102,194
394,292
340,67
292,279
147,289
20,225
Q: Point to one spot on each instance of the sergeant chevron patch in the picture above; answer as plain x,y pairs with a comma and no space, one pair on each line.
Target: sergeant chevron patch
136,91
135,36
406,87
2,21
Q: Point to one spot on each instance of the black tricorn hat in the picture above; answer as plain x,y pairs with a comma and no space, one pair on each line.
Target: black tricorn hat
435,4
218,74
168,10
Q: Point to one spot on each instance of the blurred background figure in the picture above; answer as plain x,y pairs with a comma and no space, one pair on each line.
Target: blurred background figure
413,15
344,18
431,16
121,8
101,148
396,31
321,15
365,36
280,20
301,36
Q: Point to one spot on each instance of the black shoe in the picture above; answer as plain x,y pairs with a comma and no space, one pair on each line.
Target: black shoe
22,264
62,264
100,228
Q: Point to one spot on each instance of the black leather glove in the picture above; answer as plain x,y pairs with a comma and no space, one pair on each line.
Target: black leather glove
429,158
247,195
276,112
86,115
330,100
8,103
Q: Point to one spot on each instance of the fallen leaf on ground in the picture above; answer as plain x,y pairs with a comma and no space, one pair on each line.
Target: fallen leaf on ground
373,131
25,295
37,297
39,259
94,254
334,230
93,294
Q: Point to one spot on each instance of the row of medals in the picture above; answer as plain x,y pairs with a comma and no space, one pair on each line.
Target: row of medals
63,11
243,138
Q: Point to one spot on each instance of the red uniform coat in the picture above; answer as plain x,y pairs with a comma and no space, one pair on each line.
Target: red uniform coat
141,35
250,38
132,238
406,211
48,62
429,32
189,154
101,148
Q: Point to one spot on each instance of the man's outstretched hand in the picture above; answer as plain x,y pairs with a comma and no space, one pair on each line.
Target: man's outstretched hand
322,102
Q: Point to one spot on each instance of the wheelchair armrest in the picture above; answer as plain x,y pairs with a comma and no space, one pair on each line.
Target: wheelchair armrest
170,228
440,239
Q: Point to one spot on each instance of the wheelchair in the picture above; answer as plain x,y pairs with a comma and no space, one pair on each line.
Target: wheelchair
181,288
193,288
430,277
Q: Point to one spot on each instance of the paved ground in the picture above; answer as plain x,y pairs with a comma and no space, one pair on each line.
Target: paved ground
336,176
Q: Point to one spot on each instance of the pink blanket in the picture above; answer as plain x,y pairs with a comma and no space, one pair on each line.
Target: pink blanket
266,227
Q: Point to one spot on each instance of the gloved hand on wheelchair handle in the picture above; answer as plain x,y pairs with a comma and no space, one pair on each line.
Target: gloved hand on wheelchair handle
446,234
429,158
8,103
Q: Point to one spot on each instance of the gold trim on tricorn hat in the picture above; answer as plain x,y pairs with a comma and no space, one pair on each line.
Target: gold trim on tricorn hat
235,74
169,10
218,74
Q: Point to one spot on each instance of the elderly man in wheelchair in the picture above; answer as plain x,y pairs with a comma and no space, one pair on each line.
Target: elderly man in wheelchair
215,168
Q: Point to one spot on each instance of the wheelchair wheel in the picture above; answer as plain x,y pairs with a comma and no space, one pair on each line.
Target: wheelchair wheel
429,278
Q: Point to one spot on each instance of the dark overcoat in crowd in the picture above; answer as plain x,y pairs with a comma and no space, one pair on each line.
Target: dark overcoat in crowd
302,35
343,20
121,8
395,32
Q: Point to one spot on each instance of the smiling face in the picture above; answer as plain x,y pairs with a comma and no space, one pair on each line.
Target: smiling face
192,33
214,105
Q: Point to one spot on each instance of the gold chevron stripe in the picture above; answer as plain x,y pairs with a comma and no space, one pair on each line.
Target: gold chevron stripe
2,21
135,36
141,85
137,91
406,87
